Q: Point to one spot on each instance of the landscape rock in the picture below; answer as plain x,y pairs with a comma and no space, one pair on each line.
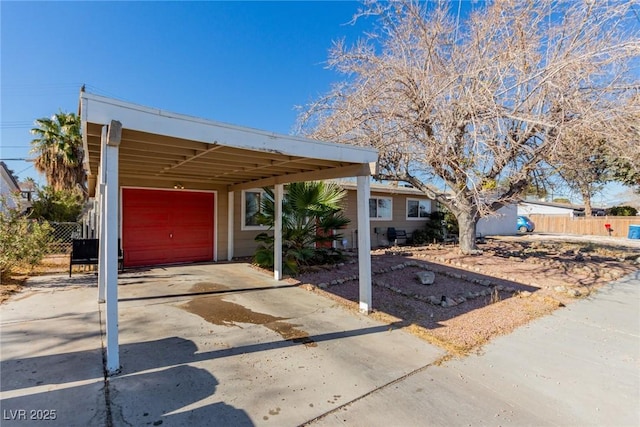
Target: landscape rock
448,302
426,277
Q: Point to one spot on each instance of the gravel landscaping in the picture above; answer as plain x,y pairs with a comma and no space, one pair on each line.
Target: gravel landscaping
474,298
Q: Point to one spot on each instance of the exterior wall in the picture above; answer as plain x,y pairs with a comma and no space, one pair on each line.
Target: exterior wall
525,208
244,240
378,227
245,244
8,188
502,223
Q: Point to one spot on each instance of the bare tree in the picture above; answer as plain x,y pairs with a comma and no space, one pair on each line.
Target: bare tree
583,164
624,153
477,105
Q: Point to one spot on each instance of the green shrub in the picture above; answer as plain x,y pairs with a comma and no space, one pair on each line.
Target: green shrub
622,211
310,212
439,224
23,242
432,231
57,205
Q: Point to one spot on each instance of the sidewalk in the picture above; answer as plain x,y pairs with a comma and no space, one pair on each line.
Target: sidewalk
579,366
51,357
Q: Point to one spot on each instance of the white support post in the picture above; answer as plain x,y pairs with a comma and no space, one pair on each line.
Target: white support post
111,211
277,229
230,224
364,244
102,177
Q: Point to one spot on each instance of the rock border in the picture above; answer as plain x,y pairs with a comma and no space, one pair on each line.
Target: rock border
448,301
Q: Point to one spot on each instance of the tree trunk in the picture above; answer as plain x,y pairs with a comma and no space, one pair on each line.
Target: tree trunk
467,228
586,198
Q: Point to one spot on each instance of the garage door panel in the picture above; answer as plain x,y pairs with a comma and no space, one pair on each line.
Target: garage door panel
163,227
144,218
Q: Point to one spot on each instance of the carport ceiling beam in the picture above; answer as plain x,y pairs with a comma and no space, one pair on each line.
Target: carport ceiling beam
256,169
186,178
195,156
357,169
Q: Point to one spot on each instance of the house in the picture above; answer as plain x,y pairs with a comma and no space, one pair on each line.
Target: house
10,190
501,223
174,188
390,205
533,207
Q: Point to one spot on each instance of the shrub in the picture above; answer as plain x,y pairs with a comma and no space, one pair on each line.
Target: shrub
439,224
622,211
23,242
432,231
310,213
57,205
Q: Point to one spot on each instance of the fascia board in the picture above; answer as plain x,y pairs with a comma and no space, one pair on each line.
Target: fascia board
101,110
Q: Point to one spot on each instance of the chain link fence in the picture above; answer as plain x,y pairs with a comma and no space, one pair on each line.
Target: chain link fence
63,234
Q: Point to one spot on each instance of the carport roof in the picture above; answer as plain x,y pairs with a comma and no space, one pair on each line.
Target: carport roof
169,147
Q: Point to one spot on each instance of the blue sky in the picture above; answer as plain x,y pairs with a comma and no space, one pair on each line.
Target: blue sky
246,63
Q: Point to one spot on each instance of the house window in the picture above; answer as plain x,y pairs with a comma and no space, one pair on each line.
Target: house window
251,207
418,208
380,208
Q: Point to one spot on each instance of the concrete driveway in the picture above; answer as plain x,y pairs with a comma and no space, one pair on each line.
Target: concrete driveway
226,345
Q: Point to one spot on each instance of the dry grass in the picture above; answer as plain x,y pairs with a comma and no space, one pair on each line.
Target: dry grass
58,263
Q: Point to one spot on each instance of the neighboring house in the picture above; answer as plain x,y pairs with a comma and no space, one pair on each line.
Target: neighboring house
502,223
10,190
533,207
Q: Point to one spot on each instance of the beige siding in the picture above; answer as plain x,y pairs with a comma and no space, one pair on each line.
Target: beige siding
399,218
244,240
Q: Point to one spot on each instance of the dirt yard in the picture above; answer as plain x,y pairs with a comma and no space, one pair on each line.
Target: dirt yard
58,263
474,298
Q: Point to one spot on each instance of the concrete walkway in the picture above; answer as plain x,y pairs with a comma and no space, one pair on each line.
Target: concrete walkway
226,345
51,355
579,366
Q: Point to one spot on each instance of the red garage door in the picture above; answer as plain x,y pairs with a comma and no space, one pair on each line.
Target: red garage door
163,227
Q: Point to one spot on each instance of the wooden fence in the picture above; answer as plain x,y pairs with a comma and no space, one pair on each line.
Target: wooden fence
593,226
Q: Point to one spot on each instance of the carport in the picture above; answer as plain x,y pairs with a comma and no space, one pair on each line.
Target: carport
128,146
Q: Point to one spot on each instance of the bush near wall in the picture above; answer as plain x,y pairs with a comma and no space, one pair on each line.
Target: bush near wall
23,242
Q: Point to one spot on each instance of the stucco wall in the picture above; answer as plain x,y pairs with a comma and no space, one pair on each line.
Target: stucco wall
529,209
502,223
245,244
398,220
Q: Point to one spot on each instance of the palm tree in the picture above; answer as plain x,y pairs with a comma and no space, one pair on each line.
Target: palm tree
310,213
58,149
